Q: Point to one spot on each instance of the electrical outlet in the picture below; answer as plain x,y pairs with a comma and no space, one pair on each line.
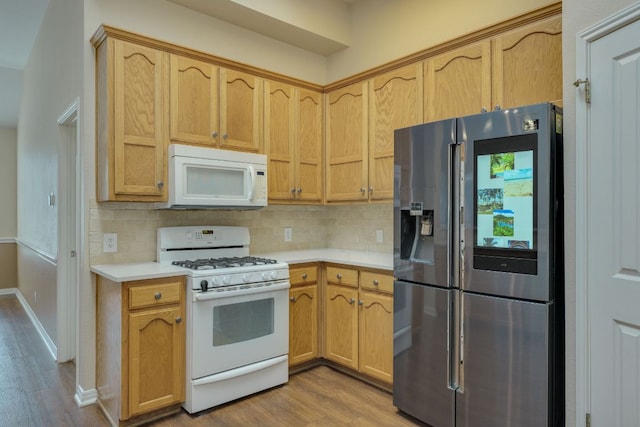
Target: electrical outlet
288,234
379,236
110,242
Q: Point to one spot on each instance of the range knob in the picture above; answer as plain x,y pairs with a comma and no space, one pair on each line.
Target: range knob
226,280
245,278
265,276
214,281
274,275
204,285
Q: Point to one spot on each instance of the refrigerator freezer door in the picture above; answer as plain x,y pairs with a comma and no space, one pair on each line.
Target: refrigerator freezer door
505,379
421,361
509,202
423,197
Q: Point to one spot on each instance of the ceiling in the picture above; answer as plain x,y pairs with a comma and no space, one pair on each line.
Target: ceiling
20,21
19,24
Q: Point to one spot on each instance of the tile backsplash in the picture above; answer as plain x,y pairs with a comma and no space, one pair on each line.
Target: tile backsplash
355,227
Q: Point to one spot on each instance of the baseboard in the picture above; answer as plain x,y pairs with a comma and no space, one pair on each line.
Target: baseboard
85,397
8,291
36,323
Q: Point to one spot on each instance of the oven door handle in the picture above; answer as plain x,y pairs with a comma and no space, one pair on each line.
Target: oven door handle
243,370
213,294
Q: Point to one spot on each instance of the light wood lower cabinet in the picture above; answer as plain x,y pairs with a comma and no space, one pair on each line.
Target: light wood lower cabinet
140,366
359,321
303,314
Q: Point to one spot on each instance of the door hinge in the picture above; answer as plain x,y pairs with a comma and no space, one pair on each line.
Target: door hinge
588,420
587,89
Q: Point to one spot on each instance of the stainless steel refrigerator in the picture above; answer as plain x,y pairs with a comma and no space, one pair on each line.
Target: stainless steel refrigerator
478,262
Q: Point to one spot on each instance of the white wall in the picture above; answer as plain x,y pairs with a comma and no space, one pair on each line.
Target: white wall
384,30
8,182
52,80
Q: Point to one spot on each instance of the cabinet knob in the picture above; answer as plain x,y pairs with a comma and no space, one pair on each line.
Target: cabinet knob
225,136
160,184
157,296
339,276
362,190
299,190
376,283
352,300
215,134
360,302
292,299
178,319
293,191
304,276
370,189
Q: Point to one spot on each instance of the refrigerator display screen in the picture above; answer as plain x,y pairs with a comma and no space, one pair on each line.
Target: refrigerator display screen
505,189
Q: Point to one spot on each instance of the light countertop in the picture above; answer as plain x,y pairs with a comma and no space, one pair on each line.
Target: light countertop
377,260
154,270
137,271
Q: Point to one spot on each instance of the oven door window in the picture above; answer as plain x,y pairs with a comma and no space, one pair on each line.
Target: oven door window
242,321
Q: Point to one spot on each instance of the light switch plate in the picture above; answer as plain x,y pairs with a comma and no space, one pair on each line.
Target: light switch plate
110,242
379,236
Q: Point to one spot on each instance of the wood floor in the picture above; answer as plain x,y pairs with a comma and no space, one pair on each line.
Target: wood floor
35,391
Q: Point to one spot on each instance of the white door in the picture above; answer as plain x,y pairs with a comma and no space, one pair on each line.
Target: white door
612,238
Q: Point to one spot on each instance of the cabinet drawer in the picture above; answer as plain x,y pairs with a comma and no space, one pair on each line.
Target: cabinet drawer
155,294
303,275
376,281
342,276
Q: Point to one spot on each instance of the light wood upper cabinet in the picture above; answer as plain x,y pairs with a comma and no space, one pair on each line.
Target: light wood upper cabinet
194,101
395,101
132,114
309,146
458,83
346,139
241,111
214,106
293,141
527,64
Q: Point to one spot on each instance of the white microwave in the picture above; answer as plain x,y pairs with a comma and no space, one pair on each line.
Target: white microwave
209,178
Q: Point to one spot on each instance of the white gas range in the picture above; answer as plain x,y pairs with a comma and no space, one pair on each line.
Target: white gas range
237,313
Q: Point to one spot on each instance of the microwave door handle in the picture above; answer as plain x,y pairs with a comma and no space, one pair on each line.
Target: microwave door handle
252,182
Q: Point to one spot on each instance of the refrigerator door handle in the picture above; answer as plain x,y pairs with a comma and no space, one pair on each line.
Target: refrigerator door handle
453,216
455,341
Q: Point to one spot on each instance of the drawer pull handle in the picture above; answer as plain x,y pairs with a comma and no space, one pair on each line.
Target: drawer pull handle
339,276
376,283
293,299
304,276
157,296
178,319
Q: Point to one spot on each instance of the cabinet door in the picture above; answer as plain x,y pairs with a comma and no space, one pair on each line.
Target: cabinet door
156,359
347,143
395,101
279,123
303,324
194,101
341,338
458,83
241,111
527,65
140,119
376,335
309,146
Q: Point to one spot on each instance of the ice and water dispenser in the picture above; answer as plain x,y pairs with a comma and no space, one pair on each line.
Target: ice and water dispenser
416,228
